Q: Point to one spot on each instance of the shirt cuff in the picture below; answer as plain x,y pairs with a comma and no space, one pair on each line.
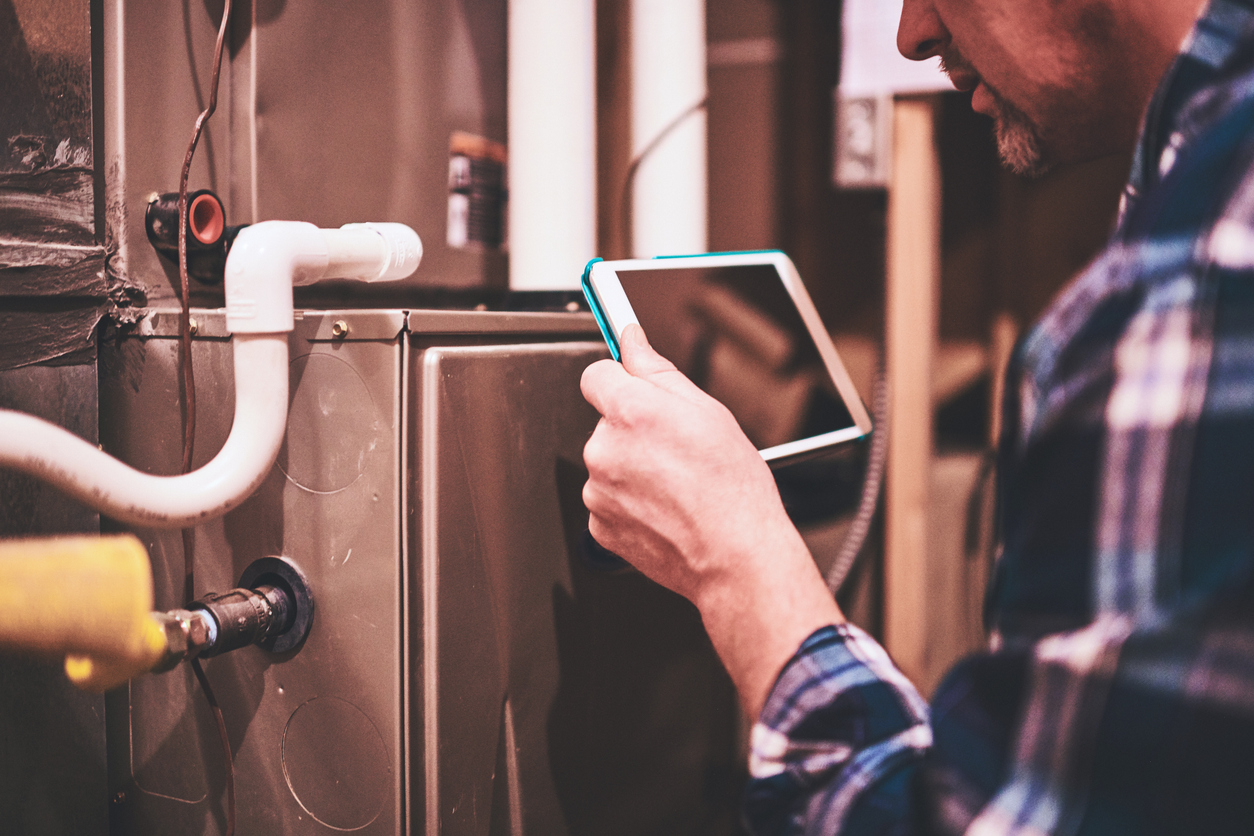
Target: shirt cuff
840,717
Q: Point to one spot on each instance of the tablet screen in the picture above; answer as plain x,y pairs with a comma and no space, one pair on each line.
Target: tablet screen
735,331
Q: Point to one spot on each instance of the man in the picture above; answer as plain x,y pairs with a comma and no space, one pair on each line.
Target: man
1119,697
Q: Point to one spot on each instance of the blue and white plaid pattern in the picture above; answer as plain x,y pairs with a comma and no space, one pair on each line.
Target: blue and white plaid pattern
1120,696
885,724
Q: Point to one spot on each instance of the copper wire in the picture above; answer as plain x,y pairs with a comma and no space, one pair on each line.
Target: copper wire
187,388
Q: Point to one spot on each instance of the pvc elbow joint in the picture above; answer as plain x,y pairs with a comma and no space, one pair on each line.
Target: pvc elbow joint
268,258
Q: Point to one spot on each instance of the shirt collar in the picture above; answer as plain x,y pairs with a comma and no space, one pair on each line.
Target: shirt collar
1206,53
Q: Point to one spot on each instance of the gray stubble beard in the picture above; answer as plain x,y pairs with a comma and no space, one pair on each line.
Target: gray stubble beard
1018,142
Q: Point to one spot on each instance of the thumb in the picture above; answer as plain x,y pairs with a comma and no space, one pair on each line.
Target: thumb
640,360
638,356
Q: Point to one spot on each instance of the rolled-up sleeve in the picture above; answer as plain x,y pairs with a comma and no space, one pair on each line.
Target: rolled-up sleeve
841,725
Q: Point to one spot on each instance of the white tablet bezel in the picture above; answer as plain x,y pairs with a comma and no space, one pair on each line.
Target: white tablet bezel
614,313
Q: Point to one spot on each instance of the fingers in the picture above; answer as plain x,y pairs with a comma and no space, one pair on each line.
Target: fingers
618,394
596,456
643,362
598,497
602,384
641,388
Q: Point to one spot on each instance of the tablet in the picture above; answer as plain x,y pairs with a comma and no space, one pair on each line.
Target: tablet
742,327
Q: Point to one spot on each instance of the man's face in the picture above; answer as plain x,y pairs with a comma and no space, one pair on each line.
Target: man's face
1047,71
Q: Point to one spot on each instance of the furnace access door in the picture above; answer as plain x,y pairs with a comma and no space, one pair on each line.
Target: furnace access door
470,670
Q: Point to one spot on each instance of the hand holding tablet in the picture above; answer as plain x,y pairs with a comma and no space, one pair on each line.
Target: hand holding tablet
742,327
678,488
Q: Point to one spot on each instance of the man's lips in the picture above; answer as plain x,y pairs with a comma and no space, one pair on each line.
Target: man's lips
982,101
965,82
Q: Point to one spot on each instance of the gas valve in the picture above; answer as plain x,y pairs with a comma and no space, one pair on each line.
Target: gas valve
89,599
272,608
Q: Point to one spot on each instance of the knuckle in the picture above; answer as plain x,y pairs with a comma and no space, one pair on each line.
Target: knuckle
628,413
594,456
598,529
592,385
591,498
587,380
638,413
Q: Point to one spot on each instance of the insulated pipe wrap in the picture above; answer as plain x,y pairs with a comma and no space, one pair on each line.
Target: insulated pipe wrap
75,595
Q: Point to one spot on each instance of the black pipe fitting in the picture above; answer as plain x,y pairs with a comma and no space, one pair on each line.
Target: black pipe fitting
285,587
272,608
209,239
244,617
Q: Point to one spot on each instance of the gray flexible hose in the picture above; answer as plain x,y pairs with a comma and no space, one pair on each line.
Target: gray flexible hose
877,458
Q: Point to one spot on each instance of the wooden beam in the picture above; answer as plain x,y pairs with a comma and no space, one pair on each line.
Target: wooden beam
1001,346
913,283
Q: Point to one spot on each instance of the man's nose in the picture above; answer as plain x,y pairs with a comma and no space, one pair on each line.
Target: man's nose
920,35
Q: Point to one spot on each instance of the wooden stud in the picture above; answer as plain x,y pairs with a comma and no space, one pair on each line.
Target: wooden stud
913,282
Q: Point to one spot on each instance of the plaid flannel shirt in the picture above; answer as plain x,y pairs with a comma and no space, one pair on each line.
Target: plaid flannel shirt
1119,697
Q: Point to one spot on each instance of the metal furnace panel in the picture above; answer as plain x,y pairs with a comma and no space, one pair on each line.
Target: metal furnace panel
317,733
495,683
328,112
551,697
356,105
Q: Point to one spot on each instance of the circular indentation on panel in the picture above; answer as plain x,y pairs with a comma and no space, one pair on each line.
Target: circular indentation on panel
332,425
335,763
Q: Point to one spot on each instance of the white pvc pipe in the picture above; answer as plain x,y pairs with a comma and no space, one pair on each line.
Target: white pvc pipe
265,261
268,258
668,79
552,142
97,479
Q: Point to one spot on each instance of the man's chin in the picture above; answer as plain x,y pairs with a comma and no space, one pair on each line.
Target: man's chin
1020,148
1019,142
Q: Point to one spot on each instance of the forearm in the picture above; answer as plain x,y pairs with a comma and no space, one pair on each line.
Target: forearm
758,615
676,488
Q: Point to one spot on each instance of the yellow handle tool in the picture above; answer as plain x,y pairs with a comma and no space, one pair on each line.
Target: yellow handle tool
86,598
